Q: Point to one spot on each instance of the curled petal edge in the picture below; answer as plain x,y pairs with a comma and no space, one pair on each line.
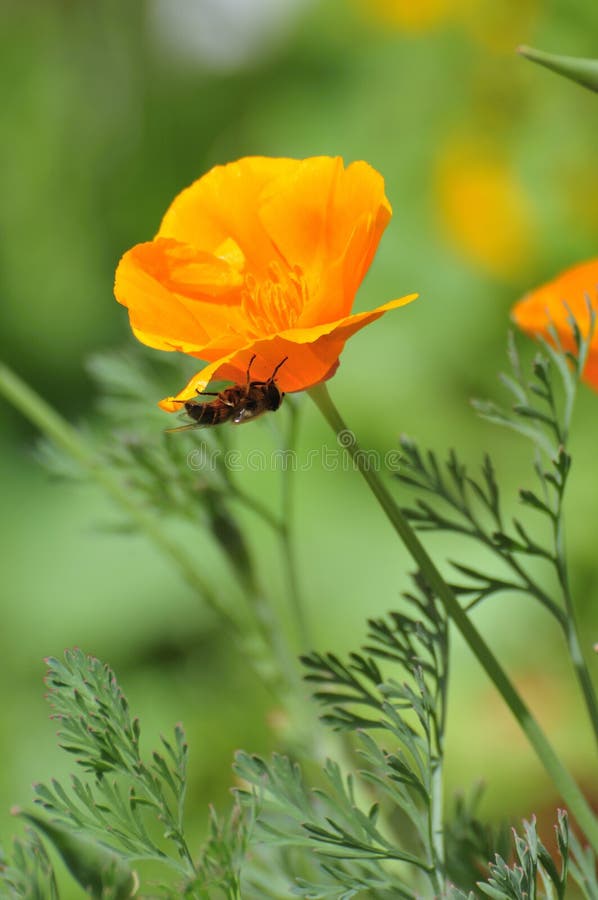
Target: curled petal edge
313,356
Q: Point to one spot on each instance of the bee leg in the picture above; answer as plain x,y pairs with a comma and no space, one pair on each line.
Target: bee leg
210,394
272,376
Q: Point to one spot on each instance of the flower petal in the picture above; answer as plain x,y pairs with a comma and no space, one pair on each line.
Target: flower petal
179,298
327,220
312,356
552,303
224,203
549,302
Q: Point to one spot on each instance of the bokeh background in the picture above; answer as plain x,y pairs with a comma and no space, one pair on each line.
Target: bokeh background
109,109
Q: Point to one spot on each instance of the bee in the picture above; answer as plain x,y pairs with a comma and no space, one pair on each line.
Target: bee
238,403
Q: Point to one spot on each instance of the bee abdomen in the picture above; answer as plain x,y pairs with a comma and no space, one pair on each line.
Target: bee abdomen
207,413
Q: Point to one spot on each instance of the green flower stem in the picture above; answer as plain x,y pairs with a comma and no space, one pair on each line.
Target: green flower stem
258,508
281,524
436,819
34,408
274,638
571,630
562,779
581,670
303,630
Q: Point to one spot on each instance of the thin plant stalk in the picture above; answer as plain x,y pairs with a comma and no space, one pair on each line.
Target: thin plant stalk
564,782
438,725
437,815
282,524
271,632
568,619
286,536
571,630
259,509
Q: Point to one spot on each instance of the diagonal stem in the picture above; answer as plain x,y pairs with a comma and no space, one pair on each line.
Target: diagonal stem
562,779
570,628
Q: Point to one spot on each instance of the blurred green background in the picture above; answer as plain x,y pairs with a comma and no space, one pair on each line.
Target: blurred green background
109,109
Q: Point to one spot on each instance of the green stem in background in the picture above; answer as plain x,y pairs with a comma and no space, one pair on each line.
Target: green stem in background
438,729
258,508
436,821
50,423
303,630
274,638
562,779
570,627
569,622
282,524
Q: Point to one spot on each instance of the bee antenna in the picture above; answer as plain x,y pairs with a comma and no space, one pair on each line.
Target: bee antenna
280,364
249,369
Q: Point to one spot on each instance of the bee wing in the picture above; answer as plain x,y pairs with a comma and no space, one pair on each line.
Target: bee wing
189,427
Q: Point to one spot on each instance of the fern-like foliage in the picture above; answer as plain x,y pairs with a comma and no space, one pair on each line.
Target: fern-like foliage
453,499
533,874
533,866
470,842
124,811
95,724
28,872
222,858
471,507
583,867
366,826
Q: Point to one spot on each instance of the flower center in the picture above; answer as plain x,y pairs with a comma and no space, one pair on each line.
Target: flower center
274,304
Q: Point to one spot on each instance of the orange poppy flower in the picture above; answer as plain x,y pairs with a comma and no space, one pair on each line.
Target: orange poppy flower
551,303
259,257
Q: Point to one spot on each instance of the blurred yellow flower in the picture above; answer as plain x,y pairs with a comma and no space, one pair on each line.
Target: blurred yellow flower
411,15
499,27
578,185
483,208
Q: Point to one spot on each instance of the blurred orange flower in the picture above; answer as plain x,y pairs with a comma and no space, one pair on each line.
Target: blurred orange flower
551,303
262,256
